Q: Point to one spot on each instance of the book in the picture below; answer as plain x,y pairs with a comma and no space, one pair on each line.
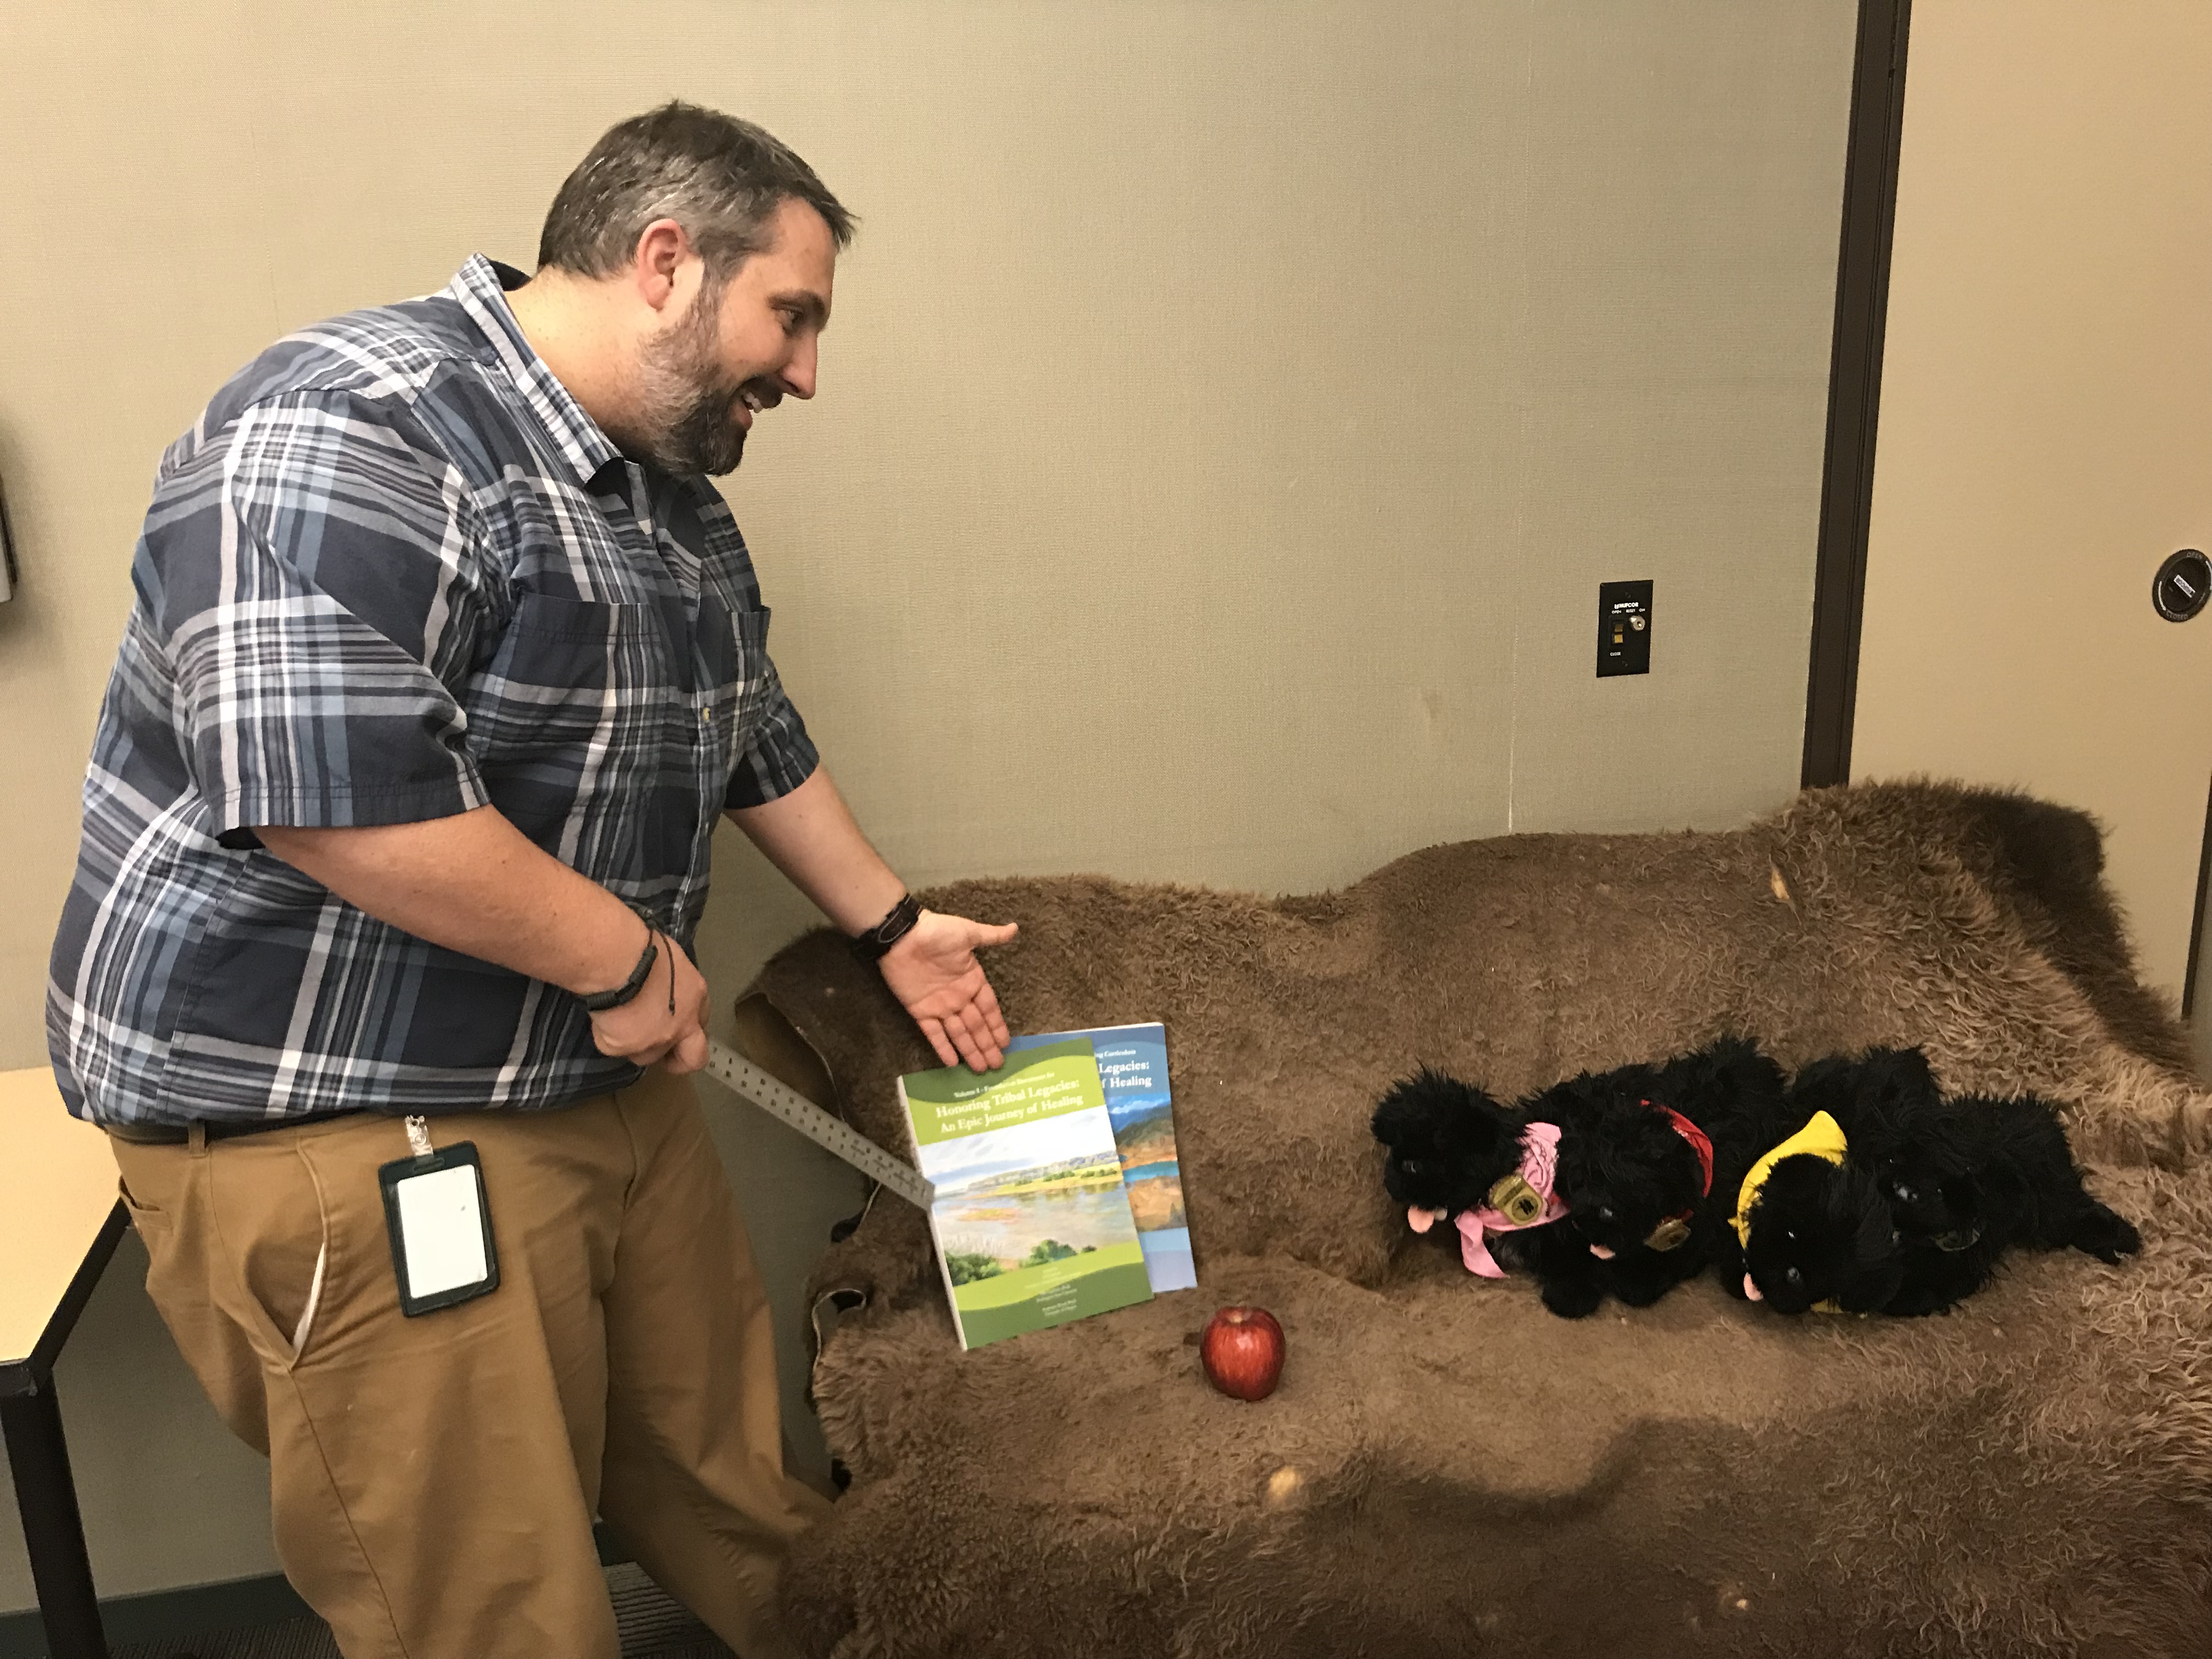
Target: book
1133,1066
1031,1219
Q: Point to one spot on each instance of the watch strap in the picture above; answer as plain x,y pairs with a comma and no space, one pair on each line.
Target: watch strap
873,944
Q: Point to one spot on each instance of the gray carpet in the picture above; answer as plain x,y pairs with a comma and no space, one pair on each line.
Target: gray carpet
653,1626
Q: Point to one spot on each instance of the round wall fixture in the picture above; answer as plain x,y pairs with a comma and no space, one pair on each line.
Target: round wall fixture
2184,582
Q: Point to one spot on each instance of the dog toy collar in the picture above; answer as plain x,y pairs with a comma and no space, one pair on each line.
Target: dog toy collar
1523,1199
1822,1137
1674,1230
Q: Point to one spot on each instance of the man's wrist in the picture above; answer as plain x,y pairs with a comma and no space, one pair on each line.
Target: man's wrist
874,944
611,997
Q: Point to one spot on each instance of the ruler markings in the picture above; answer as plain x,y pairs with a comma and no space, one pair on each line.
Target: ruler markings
834,1135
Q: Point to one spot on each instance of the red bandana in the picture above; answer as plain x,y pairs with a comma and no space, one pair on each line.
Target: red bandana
1698,1143
1674,1228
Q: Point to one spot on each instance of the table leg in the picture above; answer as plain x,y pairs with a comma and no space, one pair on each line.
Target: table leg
53,1529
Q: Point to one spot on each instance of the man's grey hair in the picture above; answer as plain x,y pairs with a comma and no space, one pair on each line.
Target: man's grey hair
720,178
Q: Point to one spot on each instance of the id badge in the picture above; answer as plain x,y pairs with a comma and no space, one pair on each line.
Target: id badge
441,1226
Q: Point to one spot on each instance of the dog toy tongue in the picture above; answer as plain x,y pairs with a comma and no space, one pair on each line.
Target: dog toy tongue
1421,1220
1751,1291
1601,1253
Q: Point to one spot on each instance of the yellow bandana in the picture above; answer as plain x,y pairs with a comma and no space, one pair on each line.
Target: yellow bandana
1823,1138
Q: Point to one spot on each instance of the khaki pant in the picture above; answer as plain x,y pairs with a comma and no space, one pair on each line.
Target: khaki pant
433,1479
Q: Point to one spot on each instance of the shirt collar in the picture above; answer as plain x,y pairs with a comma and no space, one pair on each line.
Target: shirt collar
480,287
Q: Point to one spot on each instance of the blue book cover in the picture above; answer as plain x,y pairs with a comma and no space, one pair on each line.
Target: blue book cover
1132,1065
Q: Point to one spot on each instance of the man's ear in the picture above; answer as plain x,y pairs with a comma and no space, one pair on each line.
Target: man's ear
664,268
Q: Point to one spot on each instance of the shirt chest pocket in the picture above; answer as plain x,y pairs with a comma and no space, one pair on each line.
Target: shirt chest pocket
733,651
575,675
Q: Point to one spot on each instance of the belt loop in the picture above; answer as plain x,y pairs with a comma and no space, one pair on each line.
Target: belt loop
196,1139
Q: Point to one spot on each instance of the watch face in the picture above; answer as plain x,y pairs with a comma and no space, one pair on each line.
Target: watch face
877,941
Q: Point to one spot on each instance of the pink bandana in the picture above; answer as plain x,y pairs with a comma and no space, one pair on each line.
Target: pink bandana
1540,1159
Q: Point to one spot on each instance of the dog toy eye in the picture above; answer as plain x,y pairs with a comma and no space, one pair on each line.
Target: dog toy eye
1410,1165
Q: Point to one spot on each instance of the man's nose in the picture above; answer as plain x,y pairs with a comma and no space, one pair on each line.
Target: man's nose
798,377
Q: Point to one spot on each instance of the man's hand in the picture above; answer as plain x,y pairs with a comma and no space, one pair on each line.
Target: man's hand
646,1030
934,972
809,834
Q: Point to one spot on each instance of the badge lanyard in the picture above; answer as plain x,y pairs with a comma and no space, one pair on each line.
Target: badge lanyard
440,1225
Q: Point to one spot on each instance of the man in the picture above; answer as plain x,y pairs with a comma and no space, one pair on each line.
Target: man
444,663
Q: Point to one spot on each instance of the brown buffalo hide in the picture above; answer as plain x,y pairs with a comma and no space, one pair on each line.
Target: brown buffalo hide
1467,1474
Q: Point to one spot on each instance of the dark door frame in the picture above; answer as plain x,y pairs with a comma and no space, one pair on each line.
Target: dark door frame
2196,928
1877,126
1855,384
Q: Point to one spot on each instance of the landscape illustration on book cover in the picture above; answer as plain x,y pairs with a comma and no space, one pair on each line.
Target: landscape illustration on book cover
1132,1065
1032,1220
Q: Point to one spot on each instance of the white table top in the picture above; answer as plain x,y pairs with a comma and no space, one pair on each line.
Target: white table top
57,1187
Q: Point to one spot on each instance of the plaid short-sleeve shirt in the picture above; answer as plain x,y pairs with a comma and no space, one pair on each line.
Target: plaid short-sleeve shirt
396,572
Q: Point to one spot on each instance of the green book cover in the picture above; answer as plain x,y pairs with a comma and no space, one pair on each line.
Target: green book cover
1032,1221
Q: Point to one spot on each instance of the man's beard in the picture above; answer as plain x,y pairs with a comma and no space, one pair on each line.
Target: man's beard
683,421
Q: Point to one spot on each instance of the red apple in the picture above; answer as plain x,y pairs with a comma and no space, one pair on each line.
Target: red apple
1243,1349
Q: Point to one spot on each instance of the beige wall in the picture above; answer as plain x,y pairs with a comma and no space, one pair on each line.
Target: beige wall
1230,410
2045,429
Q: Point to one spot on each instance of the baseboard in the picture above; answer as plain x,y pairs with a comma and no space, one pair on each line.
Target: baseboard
166,1615
200,1609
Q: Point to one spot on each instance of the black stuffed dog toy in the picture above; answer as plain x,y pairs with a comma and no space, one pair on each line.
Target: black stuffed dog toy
1599,1185
1892,1199
1453,1153
1641,1150
1448,1145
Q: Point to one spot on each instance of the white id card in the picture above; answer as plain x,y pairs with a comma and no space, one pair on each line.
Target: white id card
433,1207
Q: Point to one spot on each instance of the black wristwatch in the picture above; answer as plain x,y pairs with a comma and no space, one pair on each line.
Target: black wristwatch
872,946
599,1001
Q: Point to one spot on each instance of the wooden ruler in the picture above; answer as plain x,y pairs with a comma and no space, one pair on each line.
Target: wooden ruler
834,1135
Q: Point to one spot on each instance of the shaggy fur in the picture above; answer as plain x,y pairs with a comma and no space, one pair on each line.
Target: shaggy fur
1446,1145
1929,1194
2030,1477
1624,1167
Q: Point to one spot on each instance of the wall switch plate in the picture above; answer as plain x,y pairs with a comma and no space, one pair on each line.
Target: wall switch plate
1624,628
